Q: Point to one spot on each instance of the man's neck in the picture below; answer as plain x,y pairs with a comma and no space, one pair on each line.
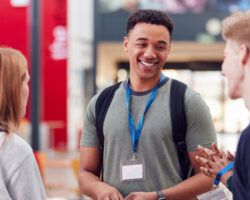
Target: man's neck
142,85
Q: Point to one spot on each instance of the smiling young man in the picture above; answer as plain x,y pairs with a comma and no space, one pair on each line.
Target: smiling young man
139,159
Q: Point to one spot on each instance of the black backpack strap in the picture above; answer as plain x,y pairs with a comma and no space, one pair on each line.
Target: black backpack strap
101,107
179,124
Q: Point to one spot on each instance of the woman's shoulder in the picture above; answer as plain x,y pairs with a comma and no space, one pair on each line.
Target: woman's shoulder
20,144
16,147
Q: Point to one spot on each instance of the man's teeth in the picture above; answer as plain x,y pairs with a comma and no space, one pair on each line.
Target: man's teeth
147,64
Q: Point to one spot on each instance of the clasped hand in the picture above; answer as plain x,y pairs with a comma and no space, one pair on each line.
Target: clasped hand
107,192
213,160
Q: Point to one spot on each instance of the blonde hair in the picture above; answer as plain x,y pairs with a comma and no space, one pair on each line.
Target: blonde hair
237,27
13,68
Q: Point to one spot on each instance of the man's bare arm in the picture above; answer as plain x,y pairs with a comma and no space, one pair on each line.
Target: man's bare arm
193,186
89,181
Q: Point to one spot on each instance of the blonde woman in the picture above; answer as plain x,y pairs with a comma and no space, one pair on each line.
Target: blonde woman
19,175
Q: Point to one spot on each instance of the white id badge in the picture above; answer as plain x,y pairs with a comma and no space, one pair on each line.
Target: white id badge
216,194
132,170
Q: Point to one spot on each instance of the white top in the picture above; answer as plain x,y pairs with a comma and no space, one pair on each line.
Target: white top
19,175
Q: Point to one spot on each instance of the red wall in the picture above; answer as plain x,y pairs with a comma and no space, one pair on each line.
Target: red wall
14,27
55,69
15,32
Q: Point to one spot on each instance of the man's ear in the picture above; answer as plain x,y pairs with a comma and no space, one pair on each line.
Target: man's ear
169,48
244,54
125,43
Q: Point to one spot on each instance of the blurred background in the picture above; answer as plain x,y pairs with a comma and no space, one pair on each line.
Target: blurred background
74,48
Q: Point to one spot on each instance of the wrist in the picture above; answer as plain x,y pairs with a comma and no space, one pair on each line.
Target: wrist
153,196
222,172
226,176
160,195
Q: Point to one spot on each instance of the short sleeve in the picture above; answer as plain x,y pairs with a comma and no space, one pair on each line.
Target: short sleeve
26,183
89,135
200,128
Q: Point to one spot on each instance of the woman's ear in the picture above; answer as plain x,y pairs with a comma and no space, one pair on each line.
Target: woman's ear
244,54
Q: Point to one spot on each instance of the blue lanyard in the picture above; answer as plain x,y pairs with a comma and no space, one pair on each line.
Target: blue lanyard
135,133
222,172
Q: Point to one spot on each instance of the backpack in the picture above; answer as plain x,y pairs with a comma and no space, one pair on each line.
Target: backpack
178,120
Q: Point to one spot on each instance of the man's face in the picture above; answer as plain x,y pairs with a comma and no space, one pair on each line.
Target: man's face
24,93
231,69
148,47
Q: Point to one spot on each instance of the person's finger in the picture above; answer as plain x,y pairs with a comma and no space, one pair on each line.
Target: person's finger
112,197
213,172
201,149
205,171
230,156
202,161
210,172
106,198
223,155
210,154
120,197
210,168
129,197
219,161
117,197
215,149
204,152
212,163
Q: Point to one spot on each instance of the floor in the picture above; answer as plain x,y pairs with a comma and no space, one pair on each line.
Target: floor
59,172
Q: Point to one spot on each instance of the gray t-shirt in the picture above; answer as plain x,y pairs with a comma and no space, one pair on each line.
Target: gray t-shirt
156,145
19,175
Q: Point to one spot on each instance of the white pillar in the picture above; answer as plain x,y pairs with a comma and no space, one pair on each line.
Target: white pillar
80,29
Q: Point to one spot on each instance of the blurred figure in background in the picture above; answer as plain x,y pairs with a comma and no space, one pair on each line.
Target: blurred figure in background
236,69
170,6
19,175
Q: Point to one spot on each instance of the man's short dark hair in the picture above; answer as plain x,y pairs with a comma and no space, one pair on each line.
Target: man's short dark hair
151,17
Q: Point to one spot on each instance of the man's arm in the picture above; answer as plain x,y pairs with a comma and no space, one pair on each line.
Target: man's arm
200,130
89,181
188,189
191,187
